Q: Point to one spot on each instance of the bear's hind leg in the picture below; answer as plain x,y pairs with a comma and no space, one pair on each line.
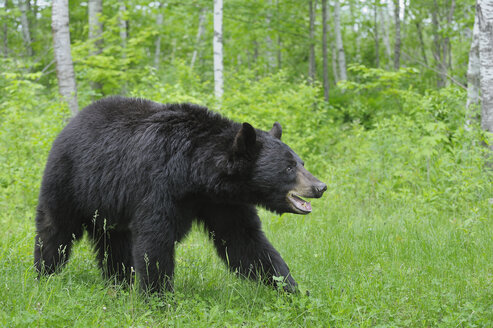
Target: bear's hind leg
53,243
240,242
114,252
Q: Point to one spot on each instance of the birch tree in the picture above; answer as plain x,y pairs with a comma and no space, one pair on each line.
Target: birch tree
217,44
385,33
325,51
26,32
485,21
341,56
63,56
200,32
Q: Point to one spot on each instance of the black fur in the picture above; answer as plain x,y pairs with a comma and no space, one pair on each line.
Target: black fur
135,174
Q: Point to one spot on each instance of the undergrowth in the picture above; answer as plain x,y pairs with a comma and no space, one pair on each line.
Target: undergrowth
402,237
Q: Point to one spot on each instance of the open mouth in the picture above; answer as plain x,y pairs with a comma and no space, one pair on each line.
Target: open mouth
300,205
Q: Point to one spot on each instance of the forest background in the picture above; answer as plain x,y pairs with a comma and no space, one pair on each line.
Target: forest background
381,99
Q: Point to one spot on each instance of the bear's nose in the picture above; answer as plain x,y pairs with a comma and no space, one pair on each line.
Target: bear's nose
321,188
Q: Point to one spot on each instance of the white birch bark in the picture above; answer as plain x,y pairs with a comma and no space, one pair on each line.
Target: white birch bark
485,21
26,33
159,25
200,32
473,76
63,57
217,45
341,56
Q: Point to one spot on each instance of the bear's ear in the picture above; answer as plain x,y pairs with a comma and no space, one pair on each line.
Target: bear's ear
245,140
276,131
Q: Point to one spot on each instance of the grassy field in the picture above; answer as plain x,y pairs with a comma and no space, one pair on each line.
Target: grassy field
365,260
364,263
402,237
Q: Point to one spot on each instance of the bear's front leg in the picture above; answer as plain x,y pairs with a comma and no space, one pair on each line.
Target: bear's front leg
153,256
240,242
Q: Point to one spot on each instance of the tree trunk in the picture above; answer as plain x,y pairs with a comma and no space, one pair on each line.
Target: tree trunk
473,77
159,26
311,68
341,56
377,40
63,57
200,32
485,21
26,32
386,39
397,46
218,48
95,10
325,51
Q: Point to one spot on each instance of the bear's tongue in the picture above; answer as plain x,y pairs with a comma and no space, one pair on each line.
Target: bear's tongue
301,204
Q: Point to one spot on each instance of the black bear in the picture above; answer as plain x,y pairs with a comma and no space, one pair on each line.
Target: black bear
135,174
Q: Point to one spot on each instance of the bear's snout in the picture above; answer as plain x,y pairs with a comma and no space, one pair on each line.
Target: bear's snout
319,189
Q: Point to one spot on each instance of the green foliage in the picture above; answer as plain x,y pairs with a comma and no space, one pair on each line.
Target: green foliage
401,238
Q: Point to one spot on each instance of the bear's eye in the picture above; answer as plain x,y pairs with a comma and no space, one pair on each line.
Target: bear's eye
290,169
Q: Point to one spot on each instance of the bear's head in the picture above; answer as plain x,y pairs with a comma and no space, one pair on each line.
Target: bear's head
277,178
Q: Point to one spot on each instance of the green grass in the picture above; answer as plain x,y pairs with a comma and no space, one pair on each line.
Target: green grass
364,262
402,237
